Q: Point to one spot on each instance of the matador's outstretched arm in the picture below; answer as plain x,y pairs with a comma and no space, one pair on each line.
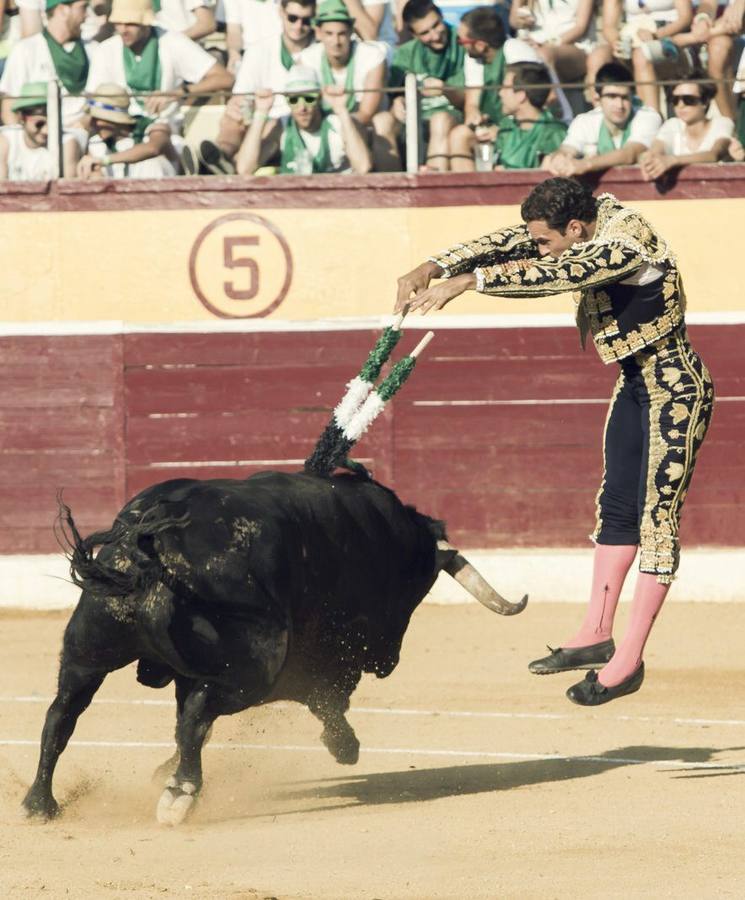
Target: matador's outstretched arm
499,246
582,266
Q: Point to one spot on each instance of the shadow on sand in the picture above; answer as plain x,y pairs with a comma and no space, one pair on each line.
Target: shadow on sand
416,785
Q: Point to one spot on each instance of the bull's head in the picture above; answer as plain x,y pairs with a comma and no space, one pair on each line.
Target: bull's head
464,573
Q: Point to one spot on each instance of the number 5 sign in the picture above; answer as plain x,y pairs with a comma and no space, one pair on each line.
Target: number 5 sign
240,267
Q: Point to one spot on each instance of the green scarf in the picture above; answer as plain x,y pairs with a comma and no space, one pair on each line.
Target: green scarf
490,103
285,56
143,72
524,148
71,67
327,77
605,140
156,6
294,142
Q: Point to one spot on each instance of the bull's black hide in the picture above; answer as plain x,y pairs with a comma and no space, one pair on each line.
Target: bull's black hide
277,587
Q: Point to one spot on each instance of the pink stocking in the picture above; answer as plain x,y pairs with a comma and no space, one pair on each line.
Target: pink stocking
648,599
610,565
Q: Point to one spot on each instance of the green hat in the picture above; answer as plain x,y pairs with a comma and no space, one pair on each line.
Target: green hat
333,11
50,4
32,94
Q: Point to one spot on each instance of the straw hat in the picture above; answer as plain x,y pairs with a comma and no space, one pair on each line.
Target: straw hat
132,12
110,102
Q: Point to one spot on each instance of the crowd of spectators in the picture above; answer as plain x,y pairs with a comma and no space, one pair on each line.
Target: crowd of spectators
316,86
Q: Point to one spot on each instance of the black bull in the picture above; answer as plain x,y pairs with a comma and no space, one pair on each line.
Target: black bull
278,587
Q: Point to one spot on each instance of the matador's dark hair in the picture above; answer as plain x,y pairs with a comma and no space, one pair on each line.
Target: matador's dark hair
559,200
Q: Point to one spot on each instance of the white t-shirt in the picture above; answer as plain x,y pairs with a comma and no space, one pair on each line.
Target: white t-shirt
553,19
261,69
32,163
584,131
339,161
178,15
181,59
673,135
155,167
366,54
258,20
30,60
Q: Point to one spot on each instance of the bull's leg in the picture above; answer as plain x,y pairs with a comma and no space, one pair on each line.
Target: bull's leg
76,688
330,706
195,718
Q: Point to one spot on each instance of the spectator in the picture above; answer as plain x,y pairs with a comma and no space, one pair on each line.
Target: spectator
690,136
193,18
147,59
10,29
24,155
57,52
122,145
436,58
643,32
247,23
263,67
615,133
94,27
563,33
359,68
310,142
525,133
717,36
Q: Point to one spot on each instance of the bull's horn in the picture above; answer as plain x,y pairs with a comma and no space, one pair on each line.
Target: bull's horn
465,574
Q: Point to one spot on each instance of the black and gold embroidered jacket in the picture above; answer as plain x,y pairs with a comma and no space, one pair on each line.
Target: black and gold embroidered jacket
628,291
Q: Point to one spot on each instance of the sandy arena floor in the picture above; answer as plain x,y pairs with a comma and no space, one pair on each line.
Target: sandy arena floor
476,779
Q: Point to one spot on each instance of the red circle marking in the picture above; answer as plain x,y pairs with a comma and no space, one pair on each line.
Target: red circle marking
257,220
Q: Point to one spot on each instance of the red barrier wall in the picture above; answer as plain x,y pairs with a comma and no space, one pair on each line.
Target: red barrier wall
498,430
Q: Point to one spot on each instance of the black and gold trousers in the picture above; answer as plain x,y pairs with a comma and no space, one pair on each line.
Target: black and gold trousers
657,420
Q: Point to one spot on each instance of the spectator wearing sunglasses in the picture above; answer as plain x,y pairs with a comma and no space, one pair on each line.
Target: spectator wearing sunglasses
24,155
615,133
359,68
55,53
122,145
308,141
690,136
264,67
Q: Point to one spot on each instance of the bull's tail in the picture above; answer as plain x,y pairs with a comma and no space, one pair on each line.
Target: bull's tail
132,565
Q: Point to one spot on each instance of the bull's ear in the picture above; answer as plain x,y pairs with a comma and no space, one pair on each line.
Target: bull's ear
444,555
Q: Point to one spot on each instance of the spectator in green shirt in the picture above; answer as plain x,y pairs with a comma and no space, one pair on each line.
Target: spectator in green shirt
436,58
525,134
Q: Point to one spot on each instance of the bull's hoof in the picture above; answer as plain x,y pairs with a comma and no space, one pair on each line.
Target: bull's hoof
176,802
342,744
39,807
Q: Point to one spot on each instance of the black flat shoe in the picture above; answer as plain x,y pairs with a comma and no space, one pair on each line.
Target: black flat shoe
590,692
570,658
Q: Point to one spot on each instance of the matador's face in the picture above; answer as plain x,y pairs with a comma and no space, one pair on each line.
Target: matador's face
552,241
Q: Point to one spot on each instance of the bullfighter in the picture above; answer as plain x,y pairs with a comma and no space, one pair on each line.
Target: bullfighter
629,296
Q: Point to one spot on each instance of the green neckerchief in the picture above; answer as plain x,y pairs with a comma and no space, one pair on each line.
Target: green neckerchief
490,103
142,123
524,148
605,140
294,142
285,56
156,5
143,72
327,77
414,57
71,67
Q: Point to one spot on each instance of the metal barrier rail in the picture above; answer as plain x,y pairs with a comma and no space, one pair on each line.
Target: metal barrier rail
411,91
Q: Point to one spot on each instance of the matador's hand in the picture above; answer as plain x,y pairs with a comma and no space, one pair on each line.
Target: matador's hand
415,282
436,297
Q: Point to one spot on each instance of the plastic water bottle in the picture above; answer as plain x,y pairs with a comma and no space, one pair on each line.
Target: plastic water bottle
483,156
